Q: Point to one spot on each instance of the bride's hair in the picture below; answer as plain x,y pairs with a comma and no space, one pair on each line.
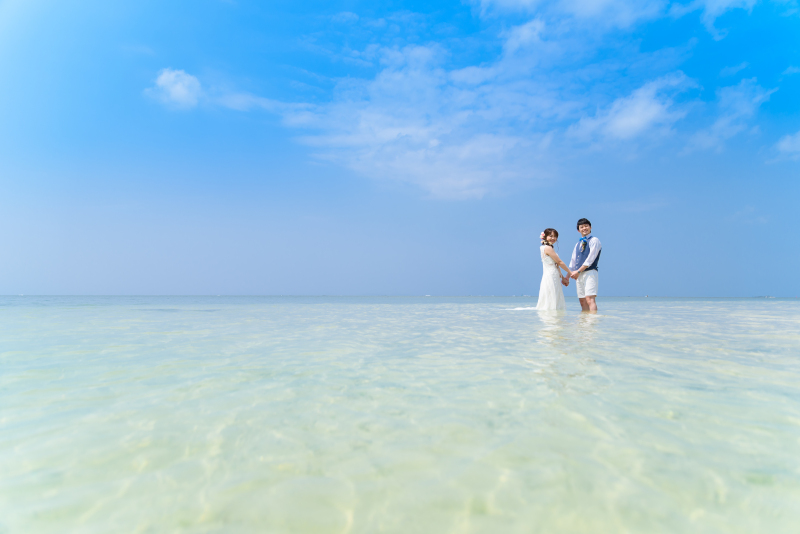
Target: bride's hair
548,232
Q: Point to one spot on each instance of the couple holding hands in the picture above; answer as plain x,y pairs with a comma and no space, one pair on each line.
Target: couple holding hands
582,267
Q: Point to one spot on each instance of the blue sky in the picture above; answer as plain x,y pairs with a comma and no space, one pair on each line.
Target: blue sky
236,147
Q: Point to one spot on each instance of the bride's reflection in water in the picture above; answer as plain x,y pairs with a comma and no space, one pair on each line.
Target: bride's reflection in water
564,331
568,366
552,331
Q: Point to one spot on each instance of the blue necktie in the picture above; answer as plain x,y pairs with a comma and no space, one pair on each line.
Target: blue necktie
584,241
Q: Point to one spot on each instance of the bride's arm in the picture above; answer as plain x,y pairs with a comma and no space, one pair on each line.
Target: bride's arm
552,253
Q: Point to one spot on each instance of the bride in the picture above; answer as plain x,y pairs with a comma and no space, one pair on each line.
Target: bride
551,296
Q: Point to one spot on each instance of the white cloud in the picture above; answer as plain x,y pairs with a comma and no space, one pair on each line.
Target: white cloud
345,17
603,13
636,206
524,35
618,13
138,50
176,88
649,108
730,71
712,10
416,123
468,131
789,145
791,70
747,215
247,102
511,5
622,12
474,130
737,105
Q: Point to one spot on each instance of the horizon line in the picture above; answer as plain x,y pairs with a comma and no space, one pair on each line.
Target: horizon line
375,296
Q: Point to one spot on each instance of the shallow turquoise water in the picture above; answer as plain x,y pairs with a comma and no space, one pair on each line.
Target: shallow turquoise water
406,415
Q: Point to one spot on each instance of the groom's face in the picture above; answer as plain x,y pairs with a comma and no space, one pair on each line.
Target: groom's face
585,229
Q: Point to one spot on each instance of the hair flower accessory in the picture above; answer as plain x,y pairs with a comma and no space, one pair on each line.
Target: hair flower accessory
546,235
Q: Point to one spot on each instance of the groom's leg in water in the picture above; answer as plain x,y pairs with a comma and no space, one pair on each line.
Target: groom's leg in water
587,283
588,304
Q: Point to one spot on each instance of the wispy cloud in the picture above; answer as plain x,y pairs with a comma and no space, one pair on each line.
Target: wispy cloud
463,130
248,102
524,35
345,17
619,13
737,105
636,206
747,215
647,109
466,131
730,71
176,88
602,13
791,70
139,50
789,146
181,90
711,11
414,123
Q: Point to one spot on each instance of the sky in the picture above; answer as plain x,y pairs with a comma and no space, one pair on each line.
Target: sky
397,147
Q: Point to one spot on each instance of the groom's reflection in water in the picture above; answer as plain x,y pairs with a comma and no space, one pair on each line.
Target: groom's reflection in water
587,327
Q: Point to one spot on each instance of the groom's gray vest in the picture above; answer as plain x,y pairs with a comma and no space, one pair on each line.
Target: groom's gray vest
581,255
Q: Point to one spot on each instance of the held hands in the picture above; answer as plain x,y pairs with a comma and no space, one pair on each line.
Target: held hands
575,274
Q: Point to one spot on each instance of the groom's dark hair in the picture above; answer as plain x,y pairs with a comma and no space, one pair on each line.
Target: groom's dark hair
583,221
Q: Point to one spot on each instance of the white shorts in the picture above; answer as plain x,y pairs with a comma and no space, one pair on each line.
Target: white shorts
587,284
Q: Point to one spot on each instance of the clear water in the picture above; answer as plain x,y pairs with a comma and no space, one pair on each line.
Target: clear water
403,415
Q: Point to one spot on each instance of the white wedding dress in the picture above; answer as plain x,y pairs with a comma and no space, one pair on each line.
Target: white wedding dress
551,296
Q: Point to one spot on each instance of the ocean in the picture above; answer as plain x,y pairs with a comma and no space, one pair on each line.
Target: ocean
406,415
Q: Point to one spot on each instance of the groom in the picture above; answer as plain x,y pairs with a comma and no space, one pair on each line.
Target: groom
583,265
